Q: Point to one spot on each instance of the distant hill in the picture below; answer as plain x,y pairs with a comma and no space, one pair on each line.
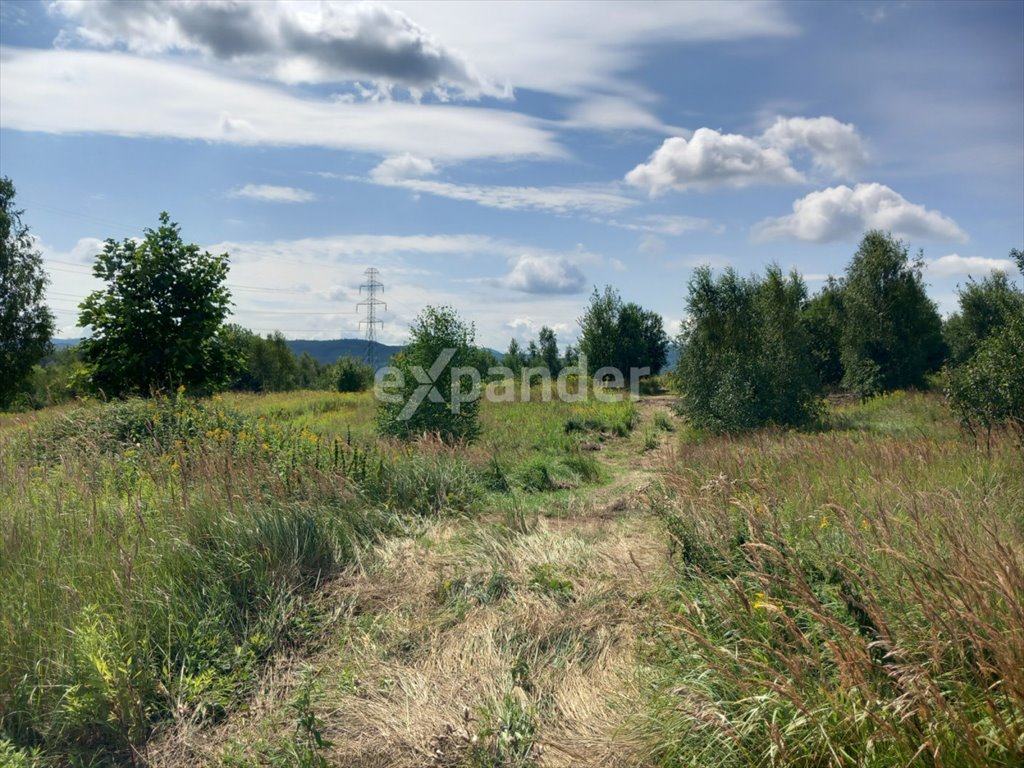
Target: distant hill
324,351
328,351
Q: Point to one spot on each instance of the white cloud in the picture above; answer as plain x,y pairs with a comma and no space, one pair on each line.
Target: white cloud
651,244
545,275
287,41
834,146
841,212
273,194
553,199
577,49
955,265
395,169
663,224
711,159
59,91
615,113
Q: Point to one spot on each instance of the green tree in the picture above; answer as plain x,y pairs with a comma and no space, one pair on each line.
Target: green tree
985,307
353,375
892,332
514,358
987,391
548,350
823,320
159,323
623,336
641,341
745,359
599,332
26,323
441,342
266,364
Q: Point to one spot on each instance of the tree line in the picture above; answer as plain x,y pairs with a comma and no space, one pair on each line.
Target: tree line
757,350
753,351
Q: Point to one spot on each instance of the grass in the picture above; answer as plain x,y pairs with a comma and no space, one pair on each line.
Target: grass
155,554
846,598
258,580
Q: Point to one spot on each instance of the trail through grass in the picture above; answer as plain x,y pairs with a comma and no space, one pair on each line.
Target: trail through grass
588,585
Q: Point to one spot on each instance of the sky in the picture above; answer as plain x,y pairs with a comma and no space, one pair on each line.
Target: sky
508,158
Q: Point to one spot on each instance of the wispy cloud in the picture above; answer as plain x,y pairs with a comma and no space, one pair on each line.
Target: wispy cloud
955,265
273,194
406,171
64,91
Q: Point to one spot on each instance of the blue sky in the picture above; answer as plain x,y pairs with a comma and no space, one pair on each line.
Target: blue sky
505,158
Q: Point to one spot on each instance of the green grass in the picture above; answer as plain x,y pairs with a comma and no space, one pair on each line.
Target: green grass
842,598
153,554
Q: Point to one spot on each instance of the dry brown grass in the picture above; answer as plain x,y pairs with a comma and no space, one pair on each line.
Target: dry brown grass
410,666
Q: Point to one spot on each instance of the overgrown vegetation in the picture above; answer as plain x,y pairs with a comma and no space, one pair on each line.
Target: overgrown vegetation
745,358
842,599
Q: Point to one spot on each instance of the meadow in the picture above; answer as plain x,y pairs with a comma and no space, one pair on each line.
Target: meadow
259,580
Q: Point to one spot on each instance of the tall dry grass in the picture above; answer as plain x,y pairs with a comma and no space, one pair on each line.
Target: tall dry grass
849,598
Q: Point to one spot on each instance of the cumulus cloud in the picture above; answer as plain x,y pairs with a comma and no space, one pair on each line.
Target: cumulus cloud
292,43
841,212
834,146
533,273
711,159
273,194
955,265
63,91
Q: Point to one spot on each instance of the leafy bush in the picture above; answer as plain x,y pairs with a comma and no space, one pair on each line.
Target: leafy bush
987,391
745,359
353,375
442,350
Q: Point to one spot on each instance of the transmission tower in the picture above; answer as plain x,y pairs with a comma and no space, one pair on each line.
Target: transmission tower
372,286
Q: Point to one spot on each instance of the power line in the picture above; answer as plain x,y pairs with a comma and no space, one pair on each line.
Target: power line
371,302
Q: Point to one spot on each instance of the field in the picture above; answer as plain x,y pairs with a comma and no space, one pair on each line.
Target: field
260,581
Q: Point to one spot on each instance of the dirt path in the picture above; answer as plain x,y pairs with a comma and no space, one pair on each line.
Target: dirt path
475,636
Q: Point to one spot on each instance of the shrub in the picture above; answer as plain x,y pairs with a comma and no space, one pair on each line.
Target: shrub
745,359
987,391
354,375
441,349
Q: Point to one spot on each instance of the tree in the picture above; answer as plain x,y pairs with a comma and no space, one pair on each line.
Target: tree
443,405
353,375
621,336
514,357
823,319
26,323
548,350
892,332
641,341
159,323
599,329
985,307
744,358
987,391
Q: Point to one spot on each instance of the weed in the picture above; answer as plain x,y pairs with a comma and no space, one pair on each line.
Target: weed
546,580
664,423
306,747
